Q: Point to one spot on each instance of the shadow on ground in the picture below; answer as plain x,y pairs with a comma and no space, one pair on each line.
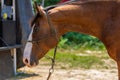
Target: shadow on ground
23,75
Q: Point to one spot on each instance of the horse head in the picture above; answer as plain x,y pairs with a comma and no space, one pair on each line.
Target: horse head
41,39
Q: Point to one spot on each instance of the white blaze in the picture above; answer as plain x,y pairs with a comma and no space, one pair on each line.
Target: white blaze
28,47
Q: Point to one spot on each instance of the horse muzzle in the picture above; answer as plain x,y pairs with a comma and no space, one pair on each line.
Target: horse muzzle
30,62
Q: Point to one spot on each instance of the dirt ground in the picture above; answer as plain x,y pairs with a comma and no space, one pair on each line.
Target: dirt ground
41,73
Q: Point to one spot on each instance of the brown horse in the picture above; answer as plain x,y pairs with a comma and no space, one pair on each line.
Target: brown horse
100,18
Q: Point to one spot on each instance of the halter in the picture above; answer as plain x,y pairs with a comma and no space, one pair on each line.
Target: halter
53,30
53,33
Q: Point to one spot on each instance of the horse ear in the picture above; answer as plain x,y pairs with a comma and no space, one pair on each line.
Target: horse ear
38,9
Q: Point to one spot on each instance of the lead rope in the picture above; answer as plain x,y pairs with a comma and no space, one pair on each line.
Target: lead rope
51,70
53,31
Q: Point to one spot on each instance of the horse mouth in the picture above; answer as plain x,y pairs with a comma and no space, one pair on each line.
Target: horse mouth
33,64
30,63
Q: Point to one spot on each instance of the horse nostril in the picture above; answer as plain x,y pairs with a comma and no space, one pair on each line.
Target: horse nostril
29,63
25,61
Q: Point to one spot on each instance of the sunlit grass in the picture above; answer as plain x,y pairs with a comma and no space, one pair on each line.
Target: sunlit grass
81,59
78,61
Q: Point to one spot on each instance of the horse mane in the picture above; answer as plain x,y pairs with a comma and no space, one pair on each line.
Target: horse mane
61,4
49,7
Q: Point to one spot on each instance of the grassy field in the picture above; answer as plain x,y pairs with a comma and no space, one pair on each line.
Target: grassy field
82,59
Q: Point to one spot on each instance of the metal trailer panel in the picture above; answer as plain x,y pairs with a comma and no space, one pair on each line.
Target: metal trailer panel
6,65
9,32
23,16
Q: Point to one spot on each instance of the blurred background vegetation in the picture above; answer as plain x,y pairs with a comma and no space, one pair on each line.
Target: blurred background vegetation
75,40
47,2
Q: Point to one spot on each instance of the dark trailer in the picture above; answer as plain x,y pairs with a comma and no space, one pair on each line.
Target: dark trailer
14,29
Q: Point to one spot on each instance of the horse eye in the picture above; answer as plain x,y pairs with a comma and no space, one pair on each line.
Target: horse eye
36,29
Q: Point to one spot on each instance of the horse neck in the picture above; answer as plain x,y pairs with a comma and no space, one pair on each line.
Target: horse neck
87,20
89,29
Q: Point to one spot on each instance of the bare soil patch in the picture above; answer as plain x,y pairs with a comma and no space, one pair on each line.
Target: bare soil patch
41,73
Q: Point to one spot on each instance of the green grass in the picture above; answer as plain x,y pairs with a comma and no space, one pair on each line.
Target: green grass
81,61
72,59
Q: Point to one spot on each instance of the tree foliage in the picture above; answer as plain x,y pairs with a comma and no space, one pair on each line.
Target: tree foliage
78,40
47,2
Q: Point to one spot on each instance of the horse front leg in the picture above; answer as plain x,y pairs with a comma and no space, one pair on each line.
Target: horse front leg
118,64
116,57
